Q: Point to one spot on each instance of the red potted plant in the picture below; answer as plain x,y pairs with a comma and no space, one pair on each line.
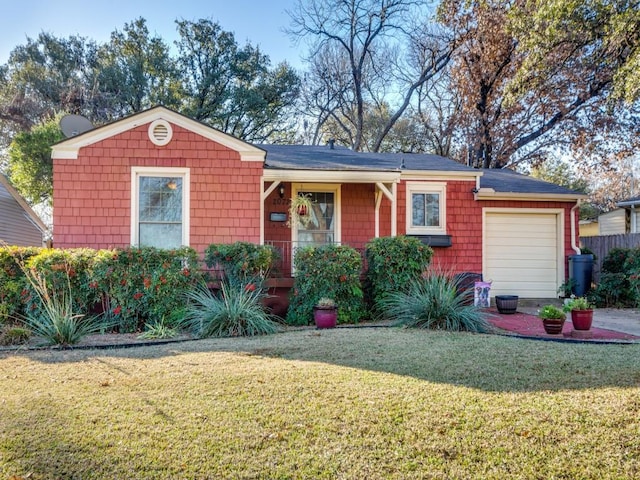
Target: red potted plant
581,312
325,313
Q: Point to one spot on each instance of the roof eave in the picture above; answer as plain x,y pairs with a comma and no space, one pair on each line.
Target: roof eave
490,194
33,216
325,176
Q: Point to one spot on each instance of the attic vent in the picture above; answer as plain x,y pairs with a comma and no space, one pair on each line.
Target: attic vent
160,132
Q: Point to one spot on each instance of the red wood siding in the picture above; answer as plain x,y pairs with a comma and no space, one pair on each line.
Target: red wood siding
92,194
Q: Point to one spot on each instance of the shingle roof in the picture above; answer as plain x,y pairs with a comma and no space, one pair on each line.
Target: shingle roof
508,181
306,157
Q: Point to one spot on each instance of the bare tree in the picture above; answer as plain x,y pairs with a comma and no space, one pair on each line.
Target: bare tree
385,54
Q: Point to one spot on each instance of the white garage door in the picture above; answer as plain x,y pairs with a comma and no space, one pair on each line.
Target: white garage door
521,254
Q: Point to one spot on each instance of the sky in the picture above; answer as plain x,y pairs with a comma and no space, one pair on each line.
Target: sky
258,21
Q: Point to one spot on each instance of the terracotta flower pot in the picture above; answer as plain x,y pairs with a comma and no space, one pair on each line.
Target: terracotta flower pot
553,326
582,319
325,317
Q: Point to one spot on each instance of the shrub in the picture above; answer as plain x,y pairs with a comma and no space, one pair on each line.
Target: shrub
326,271
615,259
394,264
55,318
66,271
143,285
236,310
13,284
611,291
437,302
241,260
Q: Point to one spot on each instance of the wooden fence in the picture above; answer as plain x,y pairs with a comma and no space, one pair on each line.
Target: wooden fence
601,245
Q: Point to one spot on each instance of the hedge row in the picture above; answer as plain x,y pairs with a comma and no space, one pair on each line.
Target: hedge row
619,284
139,286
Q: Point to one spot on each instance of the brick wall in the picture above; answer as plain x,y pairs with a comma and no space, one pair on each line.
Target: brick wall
92,194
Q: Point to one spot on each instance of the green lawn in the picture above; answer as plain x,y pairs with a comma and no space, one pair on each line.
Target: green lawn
347,403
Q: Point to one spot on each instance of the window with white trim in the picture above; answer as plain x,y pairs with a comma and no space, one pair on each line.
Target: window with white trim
426,204
160,207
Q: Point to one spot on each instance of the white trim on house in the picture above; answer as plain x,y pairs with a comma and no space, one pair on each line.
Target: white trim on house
136,173
68,149
491,194
427,188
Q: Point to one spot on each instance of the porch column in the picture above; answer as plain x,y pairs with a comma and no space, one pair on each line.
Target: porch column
392,195
265,195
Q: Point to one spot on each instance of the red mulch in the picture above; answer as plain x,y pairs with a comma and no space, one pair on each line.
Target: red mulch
531,326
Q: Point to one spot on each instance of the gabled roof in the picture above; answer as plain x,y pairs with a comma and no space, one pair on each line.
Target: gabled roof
69,148
31,215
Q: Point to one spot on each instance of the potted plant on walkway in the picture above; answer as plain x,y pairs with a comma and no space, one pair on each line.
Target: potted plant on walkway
552,319
325,313
300,210
581,312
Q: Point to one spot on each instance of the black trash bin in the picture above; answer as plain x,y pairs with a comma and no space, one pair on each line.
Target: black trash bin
581,271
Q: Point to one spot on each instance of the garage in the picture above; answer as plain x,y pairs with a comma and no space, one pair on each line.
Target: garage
522,252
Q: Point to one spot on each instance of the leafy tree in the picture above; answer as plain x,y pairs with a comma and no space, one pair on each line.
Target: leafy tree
232,88
30,165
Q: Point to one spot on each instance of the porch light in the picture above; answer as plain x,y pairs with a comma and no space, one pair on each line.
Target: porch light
281,191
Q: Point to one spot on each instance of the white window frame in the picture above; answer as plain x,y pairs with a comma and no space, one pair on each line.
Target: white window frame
427,188
136,173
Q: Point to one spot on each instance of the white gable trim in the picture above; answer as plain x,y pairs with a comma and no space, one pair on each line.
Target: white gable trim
68,149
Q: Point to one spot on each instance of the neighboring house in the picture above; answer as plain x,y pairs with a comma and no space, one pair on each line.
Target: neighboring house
624,219
159,178
589,228
19,224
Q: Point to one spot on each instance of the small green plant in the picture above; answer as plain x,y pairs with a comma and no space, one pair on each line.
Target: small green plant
236,310
300,210
577,303
437,302
157,330
567,287
551,312
14,335
326,303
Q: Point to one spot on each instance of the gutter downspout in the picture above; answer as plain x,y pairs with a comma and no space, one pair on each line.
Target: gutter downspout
574,237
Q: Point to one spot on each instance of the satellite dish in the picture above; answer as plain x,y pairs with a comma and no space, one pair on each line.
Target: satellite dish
72,125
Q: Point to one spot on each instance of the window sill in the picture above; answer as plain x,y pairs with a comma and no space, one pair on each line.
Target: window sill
434,240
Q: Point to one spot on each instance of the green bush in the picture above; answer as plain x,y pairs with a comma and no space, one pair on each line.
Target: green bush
143,285
615,259
331,271
437,302
241,260
13,284
236,310
394,264
67,271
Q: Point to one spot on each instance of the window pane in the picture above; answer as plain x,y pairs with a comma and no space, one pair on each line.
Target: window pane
160,199
425,209
160,212
320,230
161,235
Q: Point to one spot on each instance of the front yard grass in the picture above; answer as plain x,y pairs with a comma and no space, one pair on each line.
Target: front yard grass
345,403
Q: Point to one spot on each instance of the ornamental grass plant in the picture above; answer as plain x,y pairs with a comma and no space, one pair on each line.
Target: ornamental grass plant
235,310
436,302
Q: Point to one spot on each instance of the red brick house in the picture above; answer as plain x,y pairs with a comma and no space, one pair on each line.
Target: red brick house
159,178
